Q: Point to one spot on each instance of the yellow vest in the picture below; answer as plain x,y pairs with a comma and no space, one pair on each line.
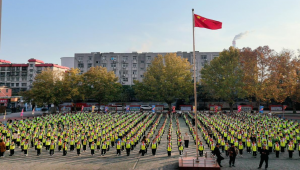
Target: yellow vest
169,148
241,146
277,147
201,147
104,146
52,145
143,147
12,147
118,146
291,147
153,146
78,146
180,148
127,145
92,146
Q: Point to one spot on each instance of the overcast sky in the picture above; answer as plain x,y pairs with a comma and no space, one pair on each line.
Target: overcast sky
50,29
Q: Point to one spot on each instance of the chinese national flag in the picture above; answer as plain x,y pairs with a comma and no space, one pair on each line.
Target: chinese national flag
207,23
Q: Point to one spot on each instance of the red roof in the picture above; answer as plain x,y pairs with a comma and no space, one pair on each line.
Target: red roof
13,65
4,61
35,60
51,65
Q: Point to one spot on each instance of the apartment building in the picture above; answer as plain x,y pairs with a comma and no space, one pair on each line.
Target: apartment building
19,77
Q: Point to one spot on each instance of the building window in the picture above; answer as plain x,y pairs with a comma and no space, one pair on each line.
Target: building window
24,78
204,57
2,78
134,57
125,79
134,65
148,57
97,61
125,57
90,57
142,68
31,70
103,57
80,58
148,65
124,65
24,84
31,65
6,90
12,84
80,65
8,78
142,61
125,71
134,72
24,68
142,76
17,84
104,65
17,78
17,68
113,64
89,65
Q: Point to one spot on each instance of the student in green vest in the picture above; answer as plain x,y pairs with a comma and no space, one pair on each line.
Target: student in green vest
227,146
7,143
143,148
12,148
241,148
118,147
290,148
48,142
128,147
84,143
254,148
26,147
72,144
104,147
98,143
169,149
93,146
39,148
153,147
65,148
180,148
52,147
248,145
277,149
78,148
60,143
201,149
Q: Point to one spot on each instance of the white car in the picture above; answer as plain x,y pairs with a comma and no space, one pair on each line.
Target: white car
146,107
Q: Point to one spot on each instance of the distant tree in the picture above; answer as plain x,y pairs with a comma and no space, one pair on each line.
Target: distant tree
101,85
166,79
223,77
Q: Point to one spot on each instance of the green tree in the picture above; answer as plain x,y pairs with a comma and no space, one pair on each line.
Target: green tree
73,86
222,78
101,85
168,78
47,88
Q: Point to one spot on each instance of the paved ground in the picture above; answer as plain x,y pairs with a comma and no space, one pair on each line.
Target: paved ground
110,161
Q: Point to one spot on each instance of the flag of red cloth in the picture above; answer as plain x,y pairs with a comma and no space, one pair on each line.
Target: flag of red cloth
206,23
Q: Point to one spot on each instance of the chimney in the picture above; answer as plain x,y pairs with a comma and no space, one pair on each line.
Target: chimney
233,43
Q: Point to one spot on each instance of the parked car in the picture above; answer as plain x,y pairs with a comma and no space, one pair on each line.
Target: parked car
102,108
145,107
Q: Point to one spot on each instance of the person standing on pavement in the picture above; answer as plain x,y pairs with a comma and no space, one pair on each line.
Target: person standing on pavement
232,155
218,154
264,157
2,148
186,140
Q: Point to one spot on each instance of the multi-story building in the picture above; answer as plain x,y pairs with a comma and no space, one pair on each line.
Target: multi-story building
19,77
67,61
132,66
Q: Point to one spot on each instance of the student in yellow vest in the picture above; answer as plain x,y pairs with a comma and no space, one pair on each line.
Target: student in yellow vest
84,143
72,144
60,143
78,148
104,147
270,144
282,144
153,147
48,142
7,143
65,148
254,148
223,144
93,146
143,148
98,143
180,148
128,146
227,146
201,149
290,148
118,147
52,147
277,149
22,143
248,145
26,147
12,148
39,148
169,149
241,148
298,148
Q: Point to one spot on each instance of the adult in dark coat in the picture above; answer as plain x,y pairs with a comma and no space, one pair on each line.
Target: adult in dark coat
264,157
232,155
2,148
218,154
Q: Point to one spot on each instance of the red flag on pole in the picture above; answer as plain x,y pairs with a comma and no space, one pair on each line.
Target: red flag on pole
206,23
216,108
239,108
173,109
82,108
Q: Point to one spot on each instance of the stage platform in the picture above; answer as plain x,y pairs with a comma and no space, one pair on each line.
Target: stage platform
189,163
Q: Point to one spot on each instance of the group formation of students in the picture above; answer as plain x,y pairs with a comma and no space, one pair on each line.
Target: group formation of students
247,132
81,131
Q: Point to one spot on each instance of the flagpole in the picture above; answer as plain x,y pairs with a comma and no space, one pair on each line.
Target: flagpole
195,91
